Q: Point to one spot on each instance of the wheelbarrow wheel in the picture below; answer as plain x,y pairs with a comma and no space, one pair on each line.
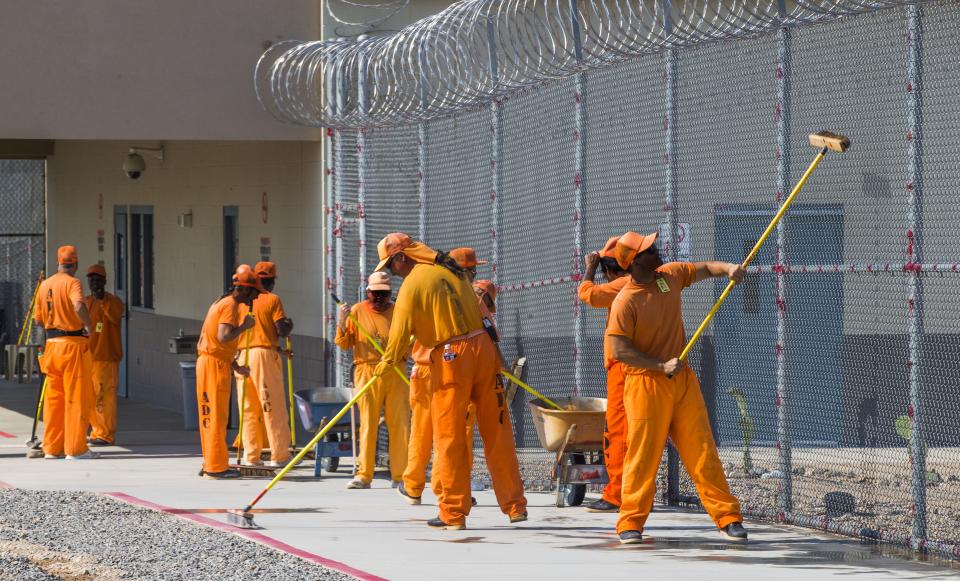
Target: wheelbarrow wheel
573,494
330,463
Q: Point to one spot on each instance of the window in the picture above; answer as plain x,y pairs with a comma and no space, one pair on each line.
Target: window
141,256
231,244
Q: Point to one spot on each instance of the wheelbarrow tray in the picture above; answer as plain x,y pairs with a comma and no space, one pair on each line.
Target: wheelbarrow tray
313,405
552,425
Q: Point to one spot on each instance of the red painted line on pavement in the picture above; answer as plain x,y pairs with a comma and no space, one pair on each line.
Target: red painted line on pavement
249,534
6,435
6,484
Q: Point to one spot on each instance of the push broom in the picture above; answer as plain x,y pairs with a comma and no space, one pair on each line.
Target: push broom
33,444
824,141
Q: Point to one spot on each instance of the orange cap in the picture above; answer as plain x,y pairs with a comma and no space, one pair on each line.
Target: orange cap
245,276
265,269
391,245
609,248
630,245
466,257
97,269
487,287
378,281
67,255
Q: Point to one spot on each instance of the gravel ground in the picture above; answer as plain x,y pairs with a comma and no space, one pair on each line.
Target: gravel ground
79,536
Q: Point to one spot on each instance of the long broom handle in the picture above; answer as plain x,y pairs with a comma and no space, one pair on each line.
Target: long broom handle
28,321
753,253
323,432
36,418
242,394
293,426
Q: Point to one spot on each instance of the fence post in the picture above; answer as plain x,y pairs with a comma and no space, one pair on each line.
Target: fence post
915,257
781,114
338,218
496,118
330,265
673,460
579,138
362,163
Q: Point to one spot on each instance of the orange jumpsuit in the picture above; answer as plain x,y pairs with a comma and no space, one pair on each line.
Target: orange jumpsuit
265,404
67,365
601,296
106,351
440,310
389,394
213,382
657,406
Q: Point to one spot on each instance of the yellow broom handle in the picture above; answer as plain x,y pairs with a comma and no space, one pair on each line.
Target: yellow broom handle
28,322
753,253
293,427
532,391
323,432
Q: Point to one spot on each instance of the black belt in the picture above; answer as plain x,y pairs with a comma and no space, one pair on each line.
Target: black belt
54,333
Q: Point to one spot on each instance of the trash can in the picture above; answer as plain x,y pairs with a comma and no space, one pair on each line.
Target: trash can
188,381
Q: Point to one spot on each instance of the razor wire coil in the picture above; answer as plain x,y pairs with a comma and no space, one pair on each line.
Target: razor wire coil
476,51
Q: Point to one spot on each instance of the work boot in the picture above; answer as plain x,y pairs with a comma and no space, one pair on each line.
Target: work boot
402,491
631,538
88,455
734,531
53,456
225,475
99,442
436,523
602,506
518,517
357,484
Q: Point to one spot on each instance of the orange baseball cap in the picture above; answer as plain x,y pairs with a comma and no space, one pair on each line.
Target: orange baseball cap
97,269
466,257
67,255
609,248
378,281
266,269
391,245
245,276
487,287
630,245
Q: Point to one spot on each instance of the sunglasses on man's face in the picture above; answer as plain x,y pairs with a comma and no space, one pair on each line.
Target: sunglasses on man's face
381,294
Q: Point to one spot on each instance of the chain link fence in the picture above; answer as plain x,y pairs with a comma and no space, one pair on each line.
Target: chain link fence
22,195
830,373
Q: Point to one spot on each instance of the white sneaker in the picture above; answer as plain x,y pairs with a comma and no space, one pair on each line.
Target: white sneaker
52,457
357,484
273,464
88,455
253,464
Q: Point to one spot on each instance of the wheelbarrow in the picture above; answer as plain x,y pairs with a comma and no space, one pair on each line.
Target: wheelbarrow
315,407
575,433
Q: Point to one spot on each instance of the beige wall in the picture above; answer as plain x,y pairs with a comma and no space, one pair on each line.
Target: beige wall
150,69
199,177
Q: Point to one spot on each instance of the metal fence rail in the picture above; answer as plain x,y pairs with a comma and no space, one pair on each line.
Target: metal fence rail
844,338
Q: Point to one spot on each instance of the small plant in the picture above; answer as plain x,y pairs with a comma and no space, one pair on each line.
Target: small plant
903,425
747,428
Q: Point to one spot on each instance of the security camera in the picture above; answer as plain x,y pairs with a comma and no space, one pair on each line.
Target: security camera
133,164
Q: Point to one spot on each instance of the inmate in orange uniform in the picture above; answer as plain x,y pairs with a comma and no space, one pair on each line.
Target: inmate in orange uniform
106,351
649,316
265,408
389,394
66,363
601,296
213,382
440,310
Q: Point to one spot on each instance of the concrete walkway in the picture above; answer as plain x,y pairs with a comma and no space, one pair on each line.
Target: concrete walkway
374,531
